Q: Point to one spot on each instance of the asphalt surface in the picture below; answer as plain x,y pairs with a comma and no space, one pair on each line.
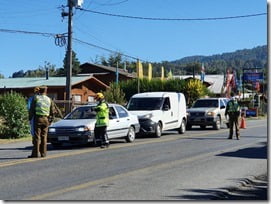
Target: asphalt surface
199,165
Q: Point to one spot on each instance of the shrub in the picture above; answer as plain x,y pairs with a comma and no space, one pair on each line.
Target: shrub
14,116
115,94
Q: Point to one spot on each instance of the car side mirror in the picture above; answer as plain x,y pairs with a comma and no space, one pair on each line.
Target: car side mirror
166,108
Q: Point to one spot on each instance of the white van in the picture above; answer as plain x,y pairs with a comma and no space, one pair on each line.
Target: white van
159,111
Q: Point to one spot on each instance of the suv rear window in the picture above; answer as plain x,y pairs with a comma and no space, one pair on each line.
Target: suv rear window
206,103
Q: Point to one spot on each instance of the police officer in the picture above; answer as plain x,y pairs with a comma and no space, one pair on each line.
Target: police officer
43,112
29,102
102,120
233,110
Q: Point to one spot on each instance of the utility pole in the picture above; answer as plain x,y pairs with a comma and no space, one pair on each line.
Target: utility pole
69,59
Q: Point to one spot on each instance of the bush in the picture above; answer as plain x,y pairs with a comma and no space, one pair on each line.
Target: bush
14,116
115,94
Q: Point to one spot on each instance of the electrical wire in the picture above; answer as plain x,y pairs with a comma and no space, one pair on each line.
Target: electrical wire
106,49
174,19
60,40
111,4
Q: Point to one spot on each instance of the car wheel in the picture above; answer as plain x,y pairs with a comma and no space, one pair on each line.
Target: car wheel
131,135
158,130
217,124
188,126
181,129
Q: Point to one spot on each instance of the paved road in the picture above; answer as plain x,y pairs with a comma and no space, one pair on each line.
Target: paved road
198,165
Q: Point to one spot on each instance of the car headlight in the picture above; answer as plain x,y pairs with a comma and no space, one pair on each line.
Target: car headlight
52,130
211,113
82,129
147,116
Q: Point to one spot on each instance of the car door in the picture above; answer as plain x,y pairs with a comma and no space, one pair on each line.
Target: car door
113,123
124,121
168,115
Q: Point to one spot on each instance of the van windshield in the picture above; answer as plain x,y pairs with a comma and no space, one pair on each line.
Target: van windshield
145,103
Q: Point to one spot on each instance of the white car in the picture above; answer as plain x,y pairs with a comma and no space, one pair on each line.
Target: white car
78,126
207,112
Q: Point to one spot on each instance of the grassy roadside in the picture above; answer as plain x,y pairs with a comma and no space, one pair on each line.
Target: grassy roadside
23,139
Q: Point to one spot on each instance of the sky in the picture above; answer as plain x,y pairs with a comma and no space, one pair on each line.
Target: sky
148,40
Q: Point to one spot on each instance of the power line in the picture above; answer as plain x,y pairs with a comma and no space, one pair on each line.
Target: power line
174,19
28,32
61,41
106,49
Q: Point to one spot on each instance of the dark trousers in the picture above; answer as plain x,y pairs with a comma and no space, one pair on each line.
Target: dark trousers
100,133
40,137
234,121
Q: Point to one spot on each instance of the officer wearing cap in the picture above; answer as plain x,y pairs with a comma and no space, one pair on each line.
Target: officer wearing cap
29,102
233,110
102,120
42,110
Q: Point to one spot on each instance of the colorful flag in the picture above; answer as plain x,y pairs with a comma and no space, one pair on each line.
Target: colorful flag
162,73
139,69
150,71
170,75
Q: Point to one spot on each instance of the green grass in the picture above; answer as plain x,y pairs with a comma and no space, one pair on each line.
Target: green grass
6,141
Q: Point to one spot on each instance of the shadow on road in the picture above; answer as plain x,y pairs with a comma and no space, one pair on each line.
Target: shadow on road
248,189
250,152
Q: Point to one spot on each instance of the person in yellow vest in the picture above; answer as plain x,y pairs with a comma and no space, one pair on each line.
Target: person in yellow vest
102,120
233,110
42,110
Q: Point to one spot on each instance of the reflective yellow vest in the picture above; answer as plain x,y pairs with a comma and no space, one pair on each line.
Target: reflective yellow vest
43,104
102,116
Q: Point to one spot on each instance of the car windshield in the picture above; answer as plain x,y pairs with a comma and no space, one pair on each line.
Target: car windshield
145,103
206,103
82,113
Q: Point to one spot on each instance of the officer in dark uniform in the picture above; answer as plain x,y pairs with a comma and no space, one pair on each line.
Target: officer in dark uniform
233,110
102,120
42,110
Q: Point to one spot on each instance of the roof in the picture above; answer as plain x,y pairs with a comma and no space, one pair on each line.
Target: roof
216,81
110,69
33,82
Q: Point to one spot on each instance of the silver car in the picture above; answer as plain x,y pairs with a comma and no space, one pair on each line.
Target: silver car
78,126
207,112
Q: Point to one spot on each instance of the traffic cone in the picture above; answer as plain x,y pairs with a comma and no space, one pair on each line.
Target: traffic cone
243,123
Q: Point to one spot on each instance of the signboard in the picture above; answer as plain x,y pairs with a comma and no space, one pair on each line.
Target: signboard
251,112
252,76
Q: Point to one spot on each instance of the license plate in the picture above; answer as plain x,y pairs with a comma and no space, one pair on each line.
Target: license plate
63,138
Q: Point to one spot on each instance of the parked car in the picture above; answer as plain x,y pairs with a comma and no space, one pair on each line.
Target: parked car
159,111
78,126
207,112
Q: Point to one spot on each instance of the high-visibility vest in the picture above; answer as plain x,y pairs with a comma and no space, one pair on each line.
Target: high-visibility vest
233,106
43,104
102,116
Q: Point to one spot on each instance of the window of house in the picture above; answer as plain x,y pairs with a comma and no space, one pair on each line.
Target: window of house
77,98
91,99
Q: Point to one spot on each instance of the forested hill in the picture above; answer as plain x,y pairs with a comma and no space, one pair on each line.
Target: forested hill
246,58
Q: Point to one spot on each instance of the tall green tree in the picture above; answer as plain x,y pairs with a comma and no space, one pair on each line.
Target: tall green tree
75,66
